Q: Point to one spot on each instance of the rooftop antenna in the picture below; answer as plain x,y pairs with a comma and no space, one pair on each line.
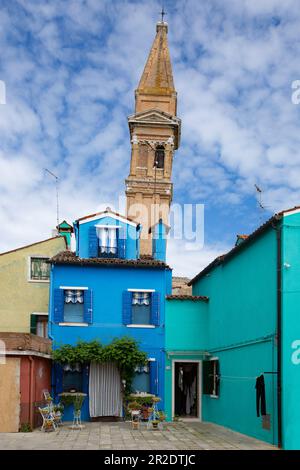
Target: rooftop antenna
56,186
260,204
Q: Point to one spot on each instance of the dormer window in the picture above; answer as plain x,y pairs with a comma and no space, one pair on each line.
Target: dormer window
159,157
107,241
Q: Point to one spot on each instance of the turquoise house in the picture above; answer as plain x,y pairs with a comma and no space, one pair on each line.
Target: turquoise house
248,335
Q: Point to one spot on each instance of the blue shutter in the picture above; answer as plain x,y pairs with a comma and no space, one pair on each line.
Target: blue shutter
153,369
58,316
88,306
155,308
127,307
121,243
93,243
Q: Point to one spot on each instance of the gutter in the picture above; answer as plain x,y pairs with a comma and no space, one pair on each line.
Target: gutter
279,332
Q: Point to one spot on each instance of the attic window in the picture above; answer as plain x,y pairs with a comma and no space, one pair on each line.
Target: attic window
108,241
159,157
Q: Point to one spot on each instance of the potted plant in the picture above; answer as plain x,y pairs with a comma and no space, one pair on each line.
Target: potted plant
161,416
146,411
155,424
156,399
134,406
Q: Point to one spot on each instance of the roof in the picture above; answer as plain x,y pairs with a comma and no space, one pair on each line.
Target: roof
157,76
187,297
68,257
65,225
33,244
107,211
249,239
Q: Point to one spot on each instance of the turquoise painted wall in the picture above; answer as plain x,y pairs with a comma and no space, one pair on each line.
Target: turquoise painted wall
242,308
291,331
186,326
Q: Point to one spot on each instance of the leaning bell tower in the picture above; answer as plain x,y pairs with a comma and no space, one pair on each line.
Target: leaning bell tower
155,135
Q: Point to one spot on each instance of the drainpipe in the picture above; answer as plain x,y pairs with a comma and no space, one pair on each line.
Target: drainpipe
31,389
279,332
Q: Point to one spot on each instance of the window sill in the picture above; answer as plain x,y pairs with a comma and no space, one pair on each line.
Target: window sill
44,281
140,326
72,324
214,396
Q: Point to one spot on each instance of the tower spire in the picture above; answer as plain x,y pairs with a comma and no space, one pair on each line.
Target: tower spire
155,134
157,78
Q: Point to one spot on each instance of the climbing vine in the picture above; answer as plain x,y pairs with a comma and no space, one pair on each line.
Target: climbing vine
124,352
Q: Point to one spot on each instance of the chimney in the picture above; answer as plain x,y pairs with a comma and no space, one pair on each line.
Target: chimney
66,230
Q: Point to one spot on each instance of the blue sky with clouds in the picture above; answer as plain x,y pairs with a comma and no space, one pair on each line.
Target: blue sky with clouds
70,69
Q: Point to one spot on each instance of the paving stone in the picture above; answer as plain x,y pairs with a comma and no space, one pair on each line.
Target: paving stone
119,436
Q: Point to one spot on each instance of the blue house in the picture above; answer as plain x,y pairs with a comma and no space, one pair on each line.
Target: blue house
103,291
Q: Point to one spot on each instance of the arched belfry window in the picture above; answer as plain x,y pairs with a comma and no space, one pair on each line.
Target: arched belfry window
159,157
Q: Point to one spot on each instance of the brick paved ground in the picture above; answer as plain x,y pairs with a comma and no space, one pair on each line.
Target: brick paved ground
174,436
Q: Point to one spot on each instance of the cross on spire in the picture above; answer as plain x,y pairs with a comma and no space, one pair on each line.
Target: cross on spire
163,13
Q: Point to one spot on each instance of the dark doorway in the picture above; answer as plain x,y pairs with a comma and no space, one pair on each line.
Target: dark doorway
186,389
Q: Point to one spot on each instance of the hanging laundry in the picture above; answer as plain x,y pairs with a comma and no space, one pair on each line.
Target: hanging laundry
260,396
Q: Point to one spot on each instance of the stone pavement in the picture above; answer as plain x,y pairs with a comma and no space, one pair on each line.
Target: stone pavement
117,436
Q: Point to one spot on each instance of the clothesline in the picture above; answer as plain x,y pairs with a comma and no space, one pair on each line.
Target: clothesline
221,377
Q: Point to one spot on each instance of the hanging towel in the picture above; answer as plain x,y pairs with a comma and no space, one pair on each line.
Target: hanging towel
260,396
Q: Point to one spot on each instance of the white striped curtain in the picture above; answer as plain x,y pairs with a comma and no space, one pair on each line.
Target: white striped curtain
105,397
107,239
140,298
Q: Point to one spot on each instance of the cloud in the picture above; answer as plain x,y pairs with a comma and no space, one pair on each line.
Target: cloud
70,70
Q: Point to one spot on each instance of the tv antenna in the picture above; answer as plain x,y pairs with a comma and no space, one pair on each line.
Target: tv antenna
56,187
261,206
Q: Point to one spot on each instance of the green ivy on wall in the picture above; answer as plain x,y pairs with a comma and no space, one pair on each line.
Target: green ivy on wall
124,352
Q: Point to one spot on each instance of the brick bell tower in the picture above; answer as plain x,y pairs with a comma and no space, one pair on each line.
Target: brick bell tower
155,135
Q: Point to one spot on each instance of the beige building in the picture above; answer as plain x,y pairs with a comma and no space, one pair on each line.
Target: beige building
155,135
24,281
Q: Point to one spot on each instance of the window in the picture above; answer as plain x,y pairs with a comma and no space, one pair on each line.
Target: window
42,327
39,269
211,377
39,325
108,242
73,306
141,380
141,308
72,378
159,157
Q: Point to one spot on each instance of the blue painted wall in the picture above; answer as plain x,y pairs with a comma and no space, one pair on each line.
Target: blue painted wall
108,284
82,236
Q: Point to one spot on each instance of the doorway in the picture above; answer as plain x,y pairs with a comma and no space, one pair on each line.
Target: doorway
186,389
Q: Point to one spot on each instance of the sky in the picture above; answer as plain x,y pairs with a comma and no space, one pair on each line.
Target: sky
70,69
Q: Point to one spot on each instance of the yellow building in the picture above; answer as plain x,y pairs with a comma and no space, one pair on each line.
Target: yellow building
24,284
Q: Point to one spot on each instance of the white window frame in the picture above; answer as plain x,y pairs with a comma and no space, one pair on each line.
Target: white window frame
73,323
43,281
